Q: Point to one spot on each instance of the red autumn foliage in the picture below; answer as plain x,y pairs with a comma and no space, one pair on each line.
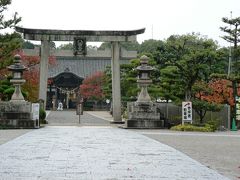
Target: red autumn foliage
222,92
32,74
91,87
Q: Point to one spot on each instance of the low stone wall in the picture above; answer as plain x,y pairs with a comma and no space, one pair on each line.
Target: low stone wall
16,114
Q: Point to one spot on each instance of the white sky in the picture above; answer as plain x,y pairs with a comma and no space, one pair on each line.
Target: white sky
161,18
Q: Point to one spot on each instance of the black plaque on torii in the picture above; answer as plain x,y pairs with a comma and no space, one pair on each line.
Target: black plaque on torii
79,46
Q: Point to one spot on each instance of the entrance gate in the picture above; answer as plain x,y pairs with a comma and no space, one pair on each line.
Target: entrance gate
80,37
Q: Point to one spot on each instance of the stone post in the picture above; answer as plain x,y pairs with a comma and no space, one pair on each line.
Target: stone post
45,51
54,101
116,90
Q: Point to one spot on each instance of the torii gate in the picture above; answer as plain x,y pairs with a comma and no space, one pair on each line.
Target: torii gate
82,36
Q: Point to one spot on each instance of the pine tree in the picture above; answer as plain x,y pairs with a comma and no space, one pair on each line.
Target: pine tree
233,36
9,42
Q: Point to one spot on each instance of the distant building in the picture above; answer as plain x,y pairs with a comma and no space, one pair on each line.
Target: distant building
65,77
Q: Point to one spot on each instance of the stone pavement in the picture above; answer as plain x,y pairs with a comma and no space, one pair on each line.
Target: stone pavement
101,114
94,152
69,118
69,152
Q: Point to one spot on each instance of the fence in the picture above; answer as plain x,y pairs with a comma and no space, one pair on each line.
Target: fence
174,114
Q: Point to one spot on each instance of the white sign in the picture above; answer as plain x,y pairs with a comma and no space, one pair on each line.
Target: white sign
187,112
237,108
35,111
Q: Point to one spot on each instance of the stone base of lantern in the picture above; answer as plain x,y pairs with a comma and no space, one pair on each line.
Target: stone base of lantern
16,115
143,116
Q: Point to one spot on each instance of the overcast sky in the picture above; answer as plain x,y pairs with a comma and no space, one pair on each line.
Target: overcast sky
160,18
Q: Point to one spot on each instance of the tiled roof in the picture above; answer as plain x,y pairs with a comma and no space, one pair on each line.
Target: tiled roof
80,67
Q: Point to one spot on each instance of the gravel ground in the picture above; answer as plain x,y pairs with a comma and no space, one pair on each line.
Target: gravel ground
218,151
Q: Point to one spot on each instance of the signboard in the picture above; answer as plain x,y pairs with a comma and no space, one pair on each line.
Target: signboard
79,46
238,108
187,112
35,111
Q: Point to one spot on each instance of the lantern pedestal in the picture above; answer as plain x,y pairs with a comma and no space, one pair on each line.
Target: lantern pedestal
144,116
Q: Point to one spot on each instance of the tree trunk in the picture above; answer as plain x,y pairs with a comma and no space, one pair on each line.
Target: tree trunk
201,114
187,95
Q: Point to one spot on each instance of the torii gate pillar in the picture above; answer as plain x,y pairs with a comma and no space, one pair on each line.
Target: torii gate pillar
116,90
45,51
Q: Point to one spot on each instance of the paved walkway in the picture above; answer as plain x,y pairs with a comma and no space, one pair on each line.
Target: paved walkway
94,152
102,115
69,118
70,152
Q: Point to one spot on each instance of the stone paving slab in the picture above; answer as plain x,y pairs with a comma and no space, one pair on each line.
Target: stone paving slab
101,114
91,153
9,134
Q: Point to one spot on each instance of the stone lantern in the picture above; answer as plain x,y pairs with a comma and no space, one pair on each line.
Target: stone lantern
17,112
143,113
144,81
17,71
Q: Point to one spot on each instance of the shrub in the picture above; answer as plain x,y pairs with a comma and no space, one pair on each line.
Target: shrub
214,124
175,120
125,114
9,92
189,127
42,116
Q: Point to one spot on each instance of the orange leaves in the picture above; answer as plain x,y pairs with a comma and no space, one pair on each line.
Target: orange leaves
221,92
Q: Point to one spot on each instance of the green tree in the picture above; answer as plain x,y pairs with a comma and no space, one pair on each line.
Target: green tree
105,45
68,46
189,59
150,46
28,45
192,57
9,42
129,80
170,84
232,36
130,46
